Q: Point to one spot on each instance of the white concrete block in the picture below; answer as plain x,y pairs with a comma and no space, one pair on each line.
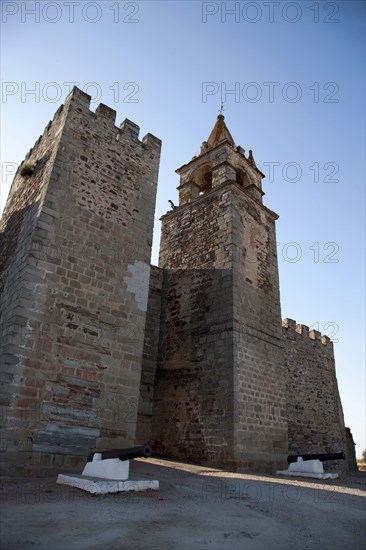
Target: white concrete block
98,486
306,474
309,466
111,468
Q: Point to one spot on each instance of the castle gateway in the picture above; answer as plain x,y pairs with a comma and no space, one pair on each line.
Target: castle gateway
100,349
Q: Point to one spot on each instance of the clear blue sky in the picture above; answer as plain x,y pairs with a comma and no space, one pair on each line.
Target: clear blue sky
296,72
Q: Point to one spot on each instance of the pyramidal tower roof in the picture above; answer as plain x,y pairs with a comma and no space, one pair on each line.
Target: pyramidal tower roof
219,133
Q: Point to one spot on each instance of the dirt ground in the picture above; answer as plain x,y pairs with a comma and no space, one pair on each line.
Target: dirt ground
196,507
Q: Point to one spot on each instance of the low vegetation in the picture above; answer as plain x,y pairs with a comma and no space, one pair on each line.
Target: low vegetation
26,169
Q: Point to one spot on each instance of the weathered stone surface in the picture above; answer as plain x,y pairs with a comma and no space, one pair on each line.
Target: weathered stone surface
100,350
220,384
351,453
227,389
150,354
313,406
76,247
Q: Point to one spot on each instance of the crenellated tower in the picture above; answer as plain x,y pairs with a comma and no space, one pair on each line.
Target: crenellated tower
220,382
76,239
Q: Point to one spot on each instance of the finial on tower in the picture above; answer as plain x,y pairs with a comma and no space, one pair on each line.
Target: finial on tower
251,158
220,131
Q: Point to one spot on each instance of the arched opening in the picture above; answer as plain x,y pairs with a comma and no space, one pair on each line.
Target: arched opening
242,178
203,179
206,183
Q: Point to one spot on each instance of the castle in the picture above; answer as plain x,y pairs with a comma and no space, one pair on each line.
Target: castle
101,350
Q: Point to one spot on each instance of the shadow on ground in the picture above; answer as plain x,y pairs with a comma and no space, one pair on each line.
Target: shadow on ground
196,507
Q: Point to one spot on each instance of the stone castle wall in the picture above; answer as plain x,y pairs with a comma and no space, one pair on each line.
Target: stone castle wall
75,288
150,357
314,410
192,415
351,452
21,288
220,389
101,350
259,383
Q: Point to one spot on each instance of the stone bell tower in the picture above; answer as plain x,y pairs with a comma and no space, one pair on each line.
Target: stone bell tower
220,384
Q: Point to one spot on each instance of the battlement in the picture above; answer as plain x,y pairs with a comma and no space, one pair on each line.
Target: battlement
46,132
305,332
80,101
75,113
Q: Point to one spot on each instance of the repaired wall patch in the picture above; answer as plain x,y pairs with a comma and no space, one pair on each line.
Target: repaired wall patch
138,283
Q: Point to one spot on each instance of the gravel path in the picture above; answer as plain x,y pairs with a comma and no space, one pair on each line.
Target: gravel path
196,507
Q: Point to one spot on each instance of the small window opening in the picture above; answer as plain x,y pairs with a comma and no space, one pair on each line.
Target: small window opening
206,183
